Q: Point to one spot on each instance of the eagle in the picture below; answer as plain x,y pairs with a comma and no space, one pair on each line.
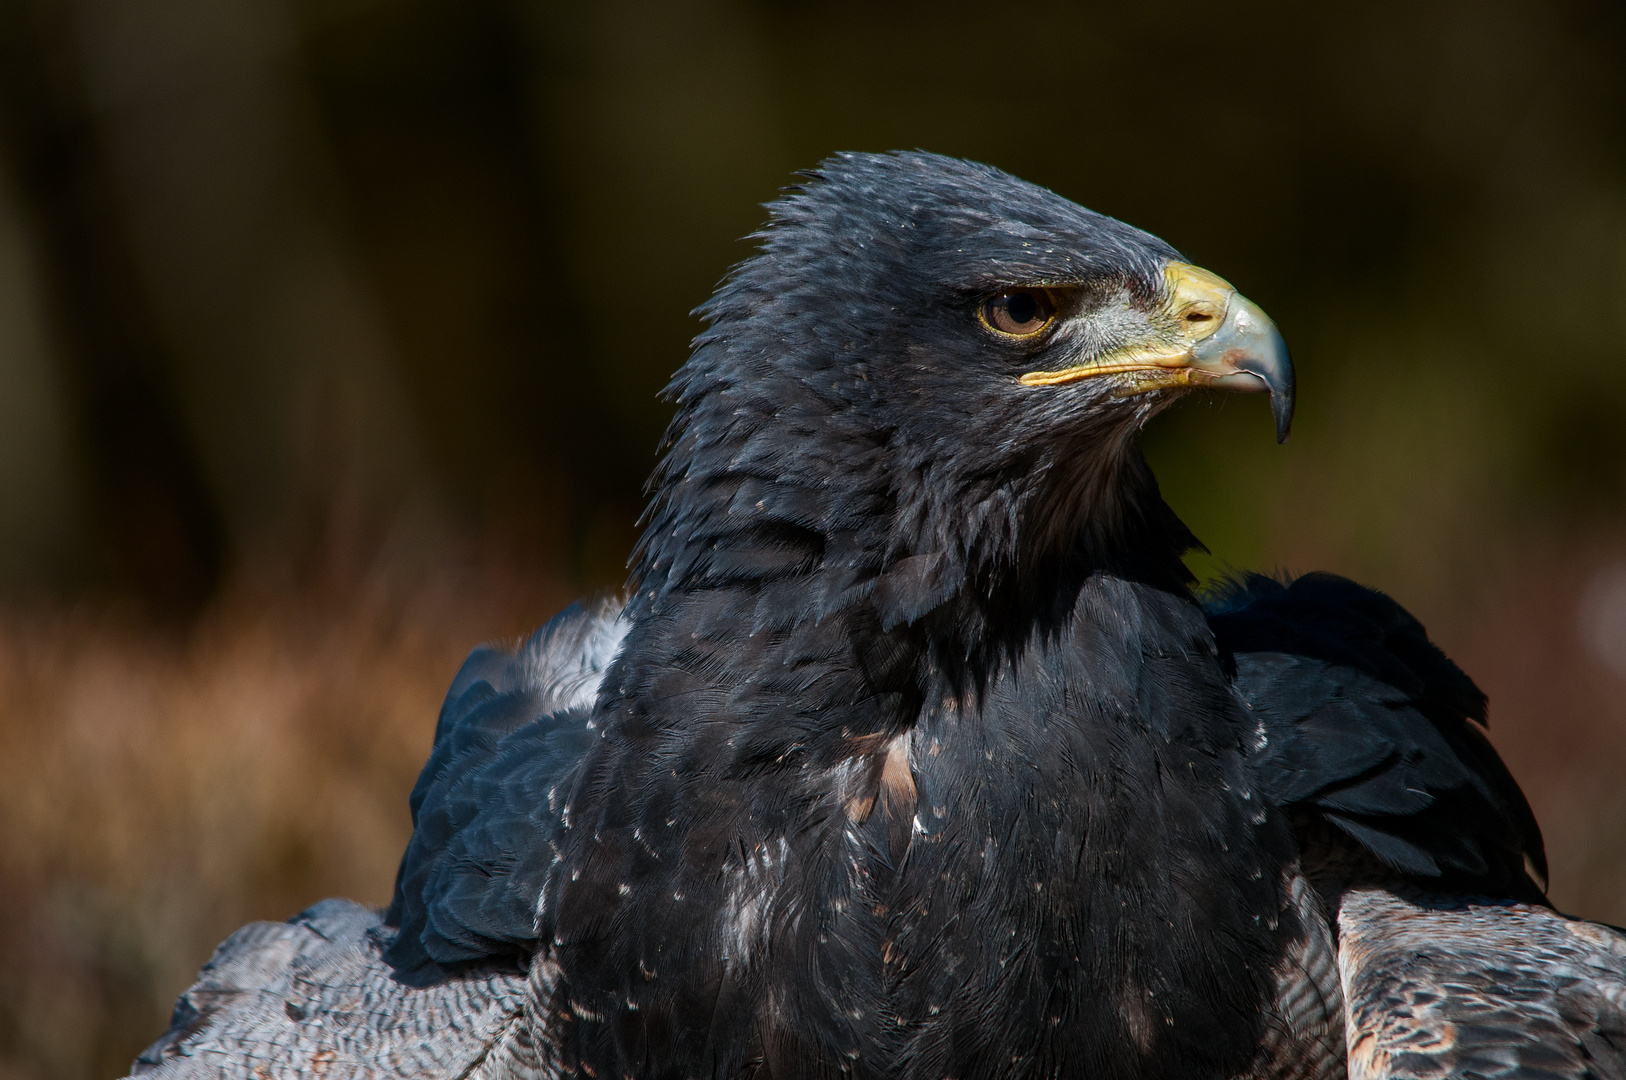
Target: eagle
911,748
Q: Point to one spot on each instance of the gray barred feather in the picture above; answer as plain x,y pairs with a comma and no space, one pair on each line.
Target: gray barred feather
1442,988
1303,1036
313,997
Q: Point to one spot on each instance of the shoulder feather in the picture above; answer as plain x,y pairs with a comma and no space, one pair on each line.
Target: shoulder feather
486,808
1366,725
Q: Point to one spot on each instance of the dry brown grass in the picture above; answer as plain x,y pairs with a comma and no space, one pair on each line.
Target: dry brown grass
161,790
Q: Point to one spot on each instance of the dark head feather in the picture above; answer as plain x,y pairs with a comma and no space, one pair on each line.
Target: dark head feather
842,414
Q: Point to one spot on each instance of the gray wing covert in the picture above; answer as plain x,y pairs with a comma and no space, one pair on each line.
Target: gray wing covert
1439,988
313,997
1303,1035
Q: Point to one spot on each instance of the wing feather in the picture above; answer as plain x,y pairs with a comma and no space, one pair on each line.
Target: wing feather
313,997
1450,963
1304,1026
1439,988
486,808
1368,727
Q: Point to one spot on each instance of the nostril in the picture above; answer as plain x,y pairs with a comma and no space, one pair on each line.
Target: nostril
1198,316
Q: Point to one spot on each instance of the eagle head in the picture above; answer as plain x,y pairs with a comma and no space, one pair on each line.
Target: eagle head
925,385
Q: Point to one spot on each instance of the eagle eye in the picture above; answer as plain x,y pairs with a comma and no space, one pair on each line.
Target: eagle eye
1019,312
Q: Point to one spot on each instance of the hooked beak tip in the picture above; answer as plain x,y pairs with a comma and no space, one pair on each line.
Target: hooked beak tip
1268,360
1249,344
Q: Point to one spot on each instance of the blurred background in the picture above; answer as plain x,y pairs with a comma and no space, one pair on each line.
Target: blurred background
331,333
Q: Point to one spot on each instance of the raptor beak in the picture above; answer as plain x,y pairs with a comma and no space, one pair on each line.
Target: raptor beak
1247,355
1212,336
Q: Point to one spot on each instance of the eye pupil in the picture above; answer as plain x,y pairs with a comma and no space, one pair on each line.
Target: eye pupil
1022,308
1020,313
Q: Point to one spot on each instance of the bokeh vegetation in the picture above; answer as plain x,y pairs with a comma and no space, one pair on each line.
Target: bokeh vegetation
331,333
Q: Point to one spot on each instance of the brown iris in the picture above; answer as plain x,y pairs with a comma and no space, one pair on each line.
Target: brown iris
1019,312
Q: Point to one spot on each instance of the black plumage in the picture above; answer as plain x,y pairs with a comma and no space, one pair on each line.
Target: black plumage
911,752
486,811
1370,728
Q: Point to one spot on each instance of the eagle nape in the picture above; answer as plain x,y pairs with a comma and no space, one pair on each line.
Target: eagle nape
912,750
